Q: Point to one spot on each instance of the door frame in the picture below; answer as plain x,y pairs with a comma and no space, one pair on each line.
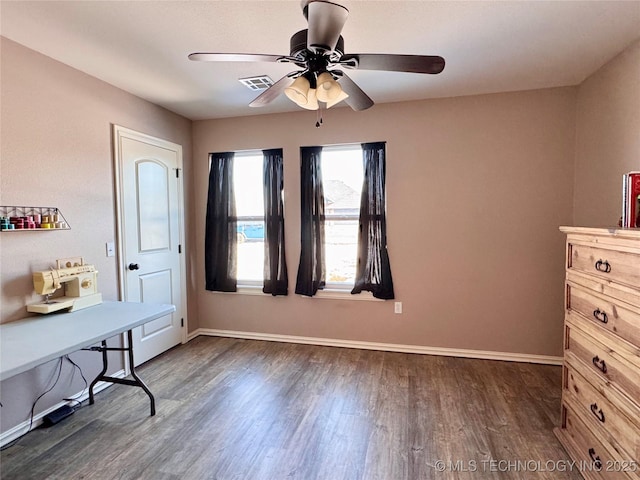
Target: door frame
120,132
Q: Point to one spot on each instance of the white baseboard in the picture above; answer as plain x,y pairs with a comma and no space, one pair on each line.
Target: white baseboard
22,428
194,334
386,347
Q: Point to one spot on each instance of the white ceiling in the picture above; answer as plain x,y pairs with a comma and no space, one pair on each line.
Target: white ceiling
489,46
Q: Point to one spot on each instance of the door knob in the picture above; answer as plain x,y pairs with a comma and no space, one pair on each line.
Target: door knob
134,266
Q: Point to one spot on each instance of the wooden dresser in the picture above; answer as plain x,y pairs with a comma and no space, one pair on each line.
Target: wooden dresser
600,426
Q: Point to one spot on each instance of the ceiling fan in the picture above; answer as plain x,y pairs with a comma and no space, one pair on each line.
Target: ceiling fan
319,52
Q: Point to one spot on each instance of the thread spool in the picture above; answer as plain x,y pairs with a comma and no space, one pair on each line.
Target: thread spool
17,222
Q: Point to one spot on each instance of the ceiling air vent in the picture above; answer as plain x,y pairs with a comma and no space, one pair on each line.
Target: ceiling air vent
257,83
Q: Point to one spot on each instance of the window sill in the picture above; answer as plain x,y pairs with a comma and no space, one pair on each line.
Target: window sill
250,290
340,294
245,290
327,293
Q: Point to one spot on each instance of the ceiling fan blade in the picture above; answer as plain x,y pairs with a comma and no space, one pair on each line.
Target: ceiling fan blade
233,57
394,63
326,20
357,100
271,93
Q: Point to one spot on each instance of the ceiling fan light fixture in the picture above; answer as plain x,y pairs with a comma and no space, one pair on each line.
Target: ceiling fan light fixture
298,91
328,89
342,96
312,100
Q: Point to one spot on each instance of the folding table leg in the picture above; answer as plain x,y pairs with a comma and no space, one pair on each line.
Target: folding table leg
136,382
105,365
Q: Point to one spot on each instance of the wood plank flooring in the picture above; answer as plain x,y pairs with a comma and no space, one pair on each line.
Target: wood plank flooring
230,409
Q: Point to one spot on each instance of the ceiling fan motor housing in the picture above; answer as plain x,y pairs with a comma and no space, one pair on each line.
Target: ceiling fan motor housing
298,44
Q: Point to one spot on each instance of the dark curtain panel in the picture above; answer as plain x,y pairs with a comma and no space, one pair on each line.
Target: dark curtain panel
373,272
275,266
221,225
311,274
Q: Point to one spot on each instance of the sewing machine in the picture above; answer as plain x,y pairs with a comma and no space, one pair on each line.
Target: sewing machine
80,286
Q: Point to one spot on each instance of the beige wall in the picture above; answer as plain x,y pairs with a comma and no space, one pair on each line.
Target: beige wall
57,151
608,138
476,187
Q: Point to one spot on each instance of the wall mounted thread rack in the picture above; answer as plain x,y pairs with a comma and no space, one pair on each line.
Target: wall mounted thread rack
19,219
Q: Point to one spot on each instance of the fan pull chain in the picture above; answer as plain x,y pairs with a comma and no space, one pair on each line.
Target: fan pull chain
318,117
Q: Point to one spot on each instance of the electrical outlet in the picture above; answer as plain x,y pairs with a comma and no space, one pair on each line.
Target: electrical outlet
111,249
397,307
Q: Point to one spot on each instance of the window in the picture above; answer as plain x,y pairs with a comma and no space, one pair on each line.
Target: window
244,230
342,177
328,221
248,187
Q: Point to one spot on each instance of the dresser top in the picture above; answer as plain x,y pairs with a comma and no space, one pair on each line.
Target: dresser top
631,233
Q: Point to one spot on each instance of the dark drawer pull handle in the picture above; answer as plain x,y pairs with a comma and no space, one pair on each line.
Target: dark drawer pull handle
596,459
604,267
597,412
600,315
600,365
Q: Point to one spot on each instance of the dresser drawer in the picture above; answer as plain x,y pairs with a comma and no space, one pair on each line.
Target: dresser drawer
603,416
603,361
593,458
618,266
605,312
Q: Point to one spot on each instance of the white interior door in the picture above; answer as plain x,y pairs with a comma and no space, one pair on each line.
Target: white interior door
150,235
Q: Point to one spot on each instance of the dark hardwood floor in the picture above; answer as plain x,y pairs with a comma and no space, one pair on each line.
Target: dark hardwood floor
233,409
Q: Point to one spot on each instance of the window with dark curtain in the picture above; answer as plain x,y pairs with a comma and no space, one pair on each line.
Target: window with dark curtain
275,265
373,271
221,225
311,270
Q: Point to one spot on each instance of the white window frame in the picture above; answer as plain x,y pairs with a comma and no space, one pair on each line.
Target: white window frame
248,286
335,290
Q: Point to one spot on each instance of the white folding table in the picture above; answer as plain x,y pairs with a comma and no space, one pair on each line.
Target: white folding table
27,343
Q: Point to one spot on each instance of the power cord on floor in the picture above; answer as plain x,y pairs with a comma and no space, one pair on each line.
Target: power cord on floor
77,405
33,407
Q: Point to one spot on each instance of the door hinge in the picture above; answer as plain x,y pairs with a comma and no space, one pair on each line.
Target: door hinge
179,248
182,322
177,173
